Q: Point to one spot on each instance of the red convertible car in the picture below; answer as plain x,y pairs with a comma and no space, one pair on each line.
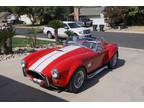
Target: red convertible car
70,66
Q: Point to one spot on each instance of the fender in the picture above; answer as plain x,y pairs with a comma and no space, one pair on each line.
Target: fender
112,49
72,70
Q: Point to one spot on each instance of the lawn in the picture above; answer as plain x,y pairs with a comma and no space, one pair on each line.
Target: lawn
22,42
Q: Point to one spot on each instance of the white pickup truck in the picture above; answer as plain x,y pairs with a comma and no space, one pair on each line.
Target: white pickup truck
68,25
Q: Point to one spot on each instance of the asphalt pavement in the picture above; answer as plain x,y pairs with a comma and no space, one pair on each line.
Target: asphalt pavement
130,40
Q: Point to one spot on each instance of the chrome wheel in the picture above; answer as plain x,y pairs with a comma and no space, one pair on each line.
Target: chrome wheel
114,60
49,35
79,79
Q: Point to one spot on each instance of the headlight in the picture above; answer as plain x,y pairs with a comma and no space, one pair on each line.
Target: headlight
81,32
23,63
54,73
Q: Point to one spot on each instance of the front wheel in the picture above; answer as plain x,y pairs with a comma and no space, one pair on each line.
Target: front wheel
49,35
113,62
77,80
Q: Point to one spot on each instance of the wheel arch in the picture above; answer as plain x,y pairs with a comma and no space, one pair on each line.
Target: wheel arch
49,32
73,70
112,49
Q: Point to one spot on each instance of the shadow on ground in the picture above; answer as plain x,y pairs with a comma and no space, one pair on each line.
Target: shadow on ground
13,91
93,81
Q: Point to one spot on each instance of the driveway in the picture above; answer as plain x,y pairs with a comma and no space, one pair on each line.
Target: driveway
125,83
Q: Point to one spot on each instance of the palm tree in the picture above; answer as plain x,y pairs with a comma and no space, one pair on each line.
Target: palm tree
56,24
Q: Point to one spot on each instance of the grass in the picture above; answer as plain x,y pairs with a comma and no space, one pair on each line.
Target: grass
23,42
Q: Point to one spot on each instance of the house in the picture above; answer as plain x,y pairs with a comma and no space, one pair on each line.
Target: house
25,19
3,20
7,17
94,13
3,16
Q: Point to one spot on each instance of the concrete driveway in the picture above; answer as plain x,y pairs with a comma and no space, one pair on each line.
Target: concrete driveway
125,83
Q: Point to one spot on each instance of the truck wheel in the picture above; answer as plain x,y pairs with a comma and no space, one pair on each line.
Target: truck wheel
49,35
77,80
113,62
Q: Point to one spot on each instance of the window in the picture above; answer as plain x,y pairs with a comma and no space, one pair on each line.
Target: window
65,26
99,47
73,25
87,44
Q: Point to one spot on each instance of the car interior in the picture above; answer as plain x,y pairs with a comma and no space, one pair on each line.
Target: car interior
96,46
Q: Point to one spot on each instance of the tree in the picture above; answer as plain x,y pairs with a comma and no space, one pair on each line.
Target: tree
115,15
56,24
6,40
70,33
32,40
40,14
135,15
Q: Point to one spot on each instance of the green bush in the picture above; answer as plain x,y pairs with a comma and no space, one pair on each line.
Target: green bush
56,24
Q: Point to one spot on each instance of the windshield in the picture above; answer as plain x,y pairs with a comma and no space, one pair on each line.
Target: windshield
73,25
80,38
87,44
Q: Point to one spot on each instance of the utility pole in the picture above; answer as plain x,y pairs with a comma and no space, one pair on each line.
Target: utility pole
76,13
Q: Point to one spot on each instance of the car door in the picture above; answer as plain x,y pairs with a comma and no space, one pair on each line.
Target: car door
99,55
62,31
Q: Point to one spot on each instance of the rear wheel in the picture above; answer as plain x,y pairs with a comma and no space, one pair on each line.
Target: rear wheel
49,35
77,80
112,64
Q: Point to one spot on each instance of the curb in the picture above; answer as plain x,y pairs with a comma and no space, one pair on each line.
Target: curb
45,39
126,32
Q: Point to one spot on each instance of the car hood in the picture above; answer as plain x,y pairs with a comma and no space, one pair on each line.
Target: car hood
49,61
79,29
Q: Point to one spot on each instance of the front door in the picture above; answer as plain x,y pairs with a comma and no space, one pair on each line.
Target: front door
97,58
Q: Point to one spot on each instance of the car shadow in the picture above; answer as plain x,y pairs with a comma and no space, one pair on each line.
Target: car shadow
93,81
13,91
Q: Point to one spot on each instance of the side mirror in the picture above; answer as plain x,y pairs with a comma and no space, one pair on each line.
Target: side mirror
66,28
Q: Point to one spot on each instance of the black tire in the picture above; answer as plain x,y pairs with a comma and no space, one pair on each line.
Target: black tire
113,62
24,23
75,86
49,35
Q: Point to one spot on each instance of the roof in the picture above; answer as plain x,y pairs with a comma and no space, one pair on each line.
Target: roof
91,11
4,15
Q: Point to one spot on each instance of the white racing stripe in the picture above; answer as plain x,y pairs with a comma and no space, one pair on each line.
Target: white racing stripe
49,58
35,65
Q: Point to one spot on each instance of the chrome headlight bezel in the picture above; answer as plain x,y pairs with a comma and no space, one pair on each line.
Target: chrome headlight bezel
55,73
23,63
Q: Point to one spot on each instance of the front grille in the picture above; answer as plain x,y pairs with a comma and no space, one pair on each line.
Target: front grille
36,75
86,31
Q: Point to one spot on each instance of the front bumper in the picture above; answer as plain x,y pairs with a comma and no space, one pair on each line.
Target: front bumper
43,81
85,35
